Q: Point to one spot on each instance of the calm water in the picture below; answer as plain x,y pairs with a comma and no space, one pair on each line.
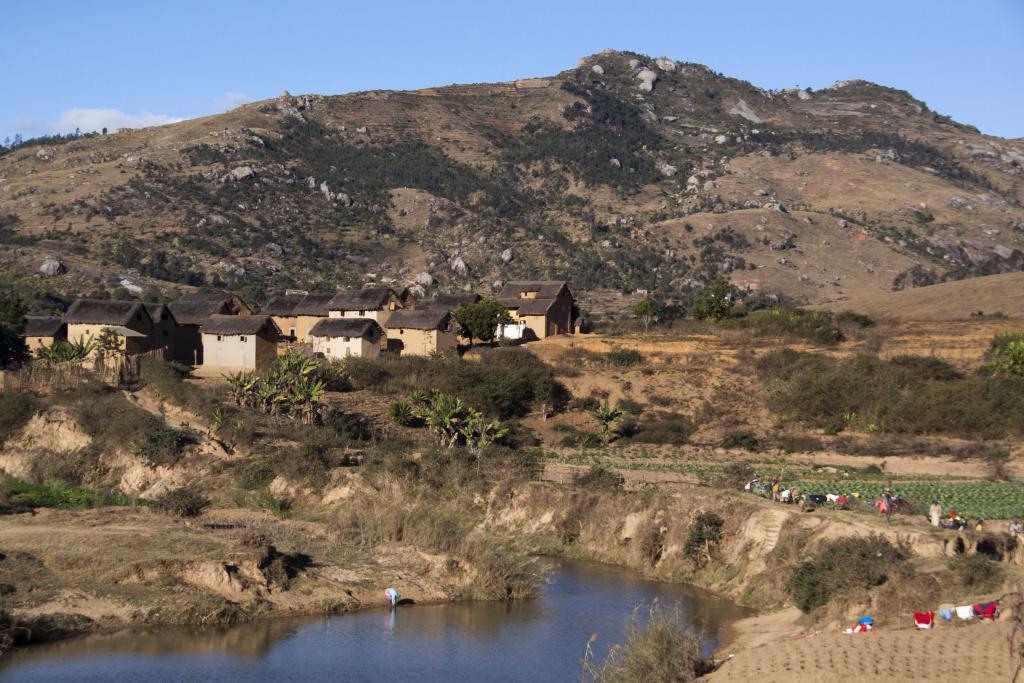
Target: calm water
536,640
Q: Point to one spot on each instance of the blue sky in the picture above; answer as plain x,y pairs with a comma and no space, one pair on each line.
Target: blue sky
99,63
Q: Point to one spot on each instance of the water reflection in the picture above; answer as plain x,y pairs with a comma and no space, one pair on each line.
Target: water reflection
540,639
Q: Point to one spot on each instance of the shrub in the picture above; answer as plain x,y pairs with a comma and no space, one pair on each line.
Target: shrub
162,444
181,502
650,542
624,358
1007,354
662,427
844,569
715,302
660,651
704,536
401,413
816,326
16,409
916,396
601,478
629,406
348,426
256,474
976,572
742,438
585,403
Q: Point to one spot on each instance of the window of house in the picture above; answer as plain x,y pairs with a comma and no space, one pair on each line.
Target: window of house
291,333
362,313
220,338
243,338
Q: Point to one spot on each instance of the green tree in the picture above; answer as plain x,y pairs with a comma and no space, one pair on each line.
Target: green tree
12,319
481,320
647,312
607,417
715,302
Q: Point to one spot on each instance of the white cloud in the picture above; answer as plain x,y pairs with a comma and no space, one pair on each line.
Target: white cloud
89,120
230,100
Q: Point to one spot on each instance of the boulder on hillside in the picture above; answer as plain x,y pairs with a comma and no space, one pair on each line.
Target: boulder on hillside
666,169
598,69
51,267
665,64
743,110
458,266
425,279
647,79
507,255
239,173
132,288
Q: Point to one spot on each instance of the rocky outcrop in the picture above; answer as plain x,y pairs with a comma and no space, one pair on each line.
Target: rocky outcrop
647,79
743,110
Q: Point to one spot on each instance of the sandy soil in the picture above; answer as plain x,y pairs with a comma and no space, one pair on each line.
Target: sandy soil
977,652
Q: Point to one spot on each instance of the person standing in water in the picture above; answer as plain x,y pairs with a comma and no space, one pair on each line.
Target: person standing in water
392,595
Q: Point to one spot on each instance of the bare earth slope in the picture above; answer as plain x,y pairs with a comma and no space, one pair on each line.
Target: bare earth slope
624,173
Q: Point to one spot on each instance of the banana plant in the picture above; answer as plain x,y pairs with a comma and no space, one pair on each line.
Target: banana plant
607,417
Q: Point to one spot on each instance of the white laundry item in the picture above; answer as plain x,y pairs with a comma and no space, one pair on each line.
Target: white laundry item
831,497
965,612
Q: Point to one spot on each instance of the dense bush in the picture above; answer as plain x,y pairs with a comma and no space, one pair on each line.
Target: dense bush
908,395
162,445
181,502
504,383
742,438
624,358
844,569
662,427
976,573
598,477
817,326
703,537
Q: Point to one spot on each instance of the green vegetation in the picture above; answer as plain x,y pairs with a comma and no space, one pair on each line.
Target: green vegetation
181,502
453,423
984,500
844,569
715,302
607,418
292,386
23,495
12,314
481,320
647,312
906,394
61,351
506,383
976,573
1007,354
704,535
742,438
162,444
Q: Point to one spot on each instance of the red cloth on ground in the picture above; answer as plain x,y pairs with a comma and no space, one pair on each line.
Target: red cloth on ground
986,611
924,619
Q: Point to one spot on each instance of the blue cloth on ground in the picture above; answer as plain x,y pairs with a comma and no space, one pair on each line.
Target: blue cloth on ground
946,614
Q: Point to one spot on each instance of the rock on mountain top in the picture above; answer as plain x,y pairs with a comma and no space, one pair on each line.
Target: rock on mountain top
647,79
51,266
743,109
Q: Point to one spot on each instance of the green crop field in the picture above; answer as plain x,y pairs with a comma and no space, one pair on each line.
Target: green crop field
985,500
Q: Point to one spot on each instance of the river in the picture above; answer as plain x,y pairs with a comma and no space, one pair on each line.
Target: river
531,640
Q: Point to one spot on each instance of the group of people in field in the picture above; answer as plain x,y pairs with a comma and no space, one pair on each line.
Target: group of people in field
886,504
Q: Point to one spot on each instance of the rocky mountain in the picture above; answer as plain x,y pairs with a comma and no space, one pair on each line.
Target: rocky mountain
625,174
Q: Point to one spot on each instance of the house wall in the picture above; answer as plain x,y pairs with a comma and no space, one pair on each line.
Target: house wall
87,331
423,342
34,343
231,352
336,348
302,324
